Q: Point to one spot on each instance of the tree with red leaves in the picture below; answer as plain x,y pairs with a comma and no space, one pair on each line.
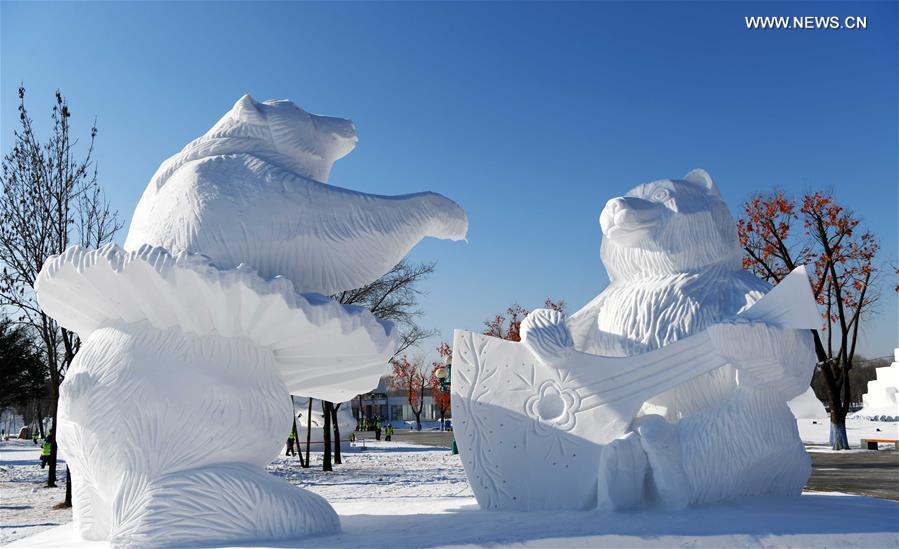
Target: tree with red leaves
412,378
830,240
508,326
439,391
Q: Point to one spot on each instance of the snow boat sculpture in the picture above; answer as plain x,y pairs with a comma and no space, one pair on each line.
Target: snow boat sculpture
668,389
195,336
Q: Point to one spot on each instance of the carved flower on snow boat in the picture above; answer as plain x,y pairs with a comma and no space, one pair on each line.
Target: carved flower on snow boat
553,406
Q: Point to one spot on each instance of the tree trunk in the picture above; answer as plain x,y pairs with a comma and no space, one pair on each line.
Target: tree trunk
308,432
838,439
40,417
417,419
337,460
326,436
296,436
51,474
359,422
68,500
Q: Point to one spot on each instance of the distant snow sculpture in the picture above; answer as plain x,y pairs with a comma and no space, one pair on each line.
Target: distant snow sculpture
194,337
807,406
881,400
668,389
345,421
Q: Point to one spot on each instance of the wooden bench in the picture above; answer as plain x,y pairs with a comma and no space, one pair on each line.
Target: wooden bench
871,443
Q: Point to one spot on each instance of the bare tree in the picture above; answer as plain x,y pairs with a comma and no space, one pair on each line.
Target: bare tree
326,435
394,297
308,431
337,457
295,433
50,200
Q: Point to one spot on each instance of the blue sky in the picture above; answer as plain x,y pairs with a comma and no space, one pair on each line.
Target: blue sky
530,116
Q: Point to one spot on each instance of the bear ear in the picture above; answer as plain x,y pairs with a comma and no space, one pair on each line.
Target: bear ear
247,110
702,178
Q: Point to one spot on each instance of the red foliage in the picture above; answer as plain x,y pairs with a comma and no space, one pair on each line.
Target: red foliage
409,376
777,234
842,256
510,327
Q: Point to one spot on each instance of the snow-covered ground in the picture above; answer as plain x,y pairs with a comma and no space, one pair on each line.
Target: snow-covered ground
25,505
815,433
403,495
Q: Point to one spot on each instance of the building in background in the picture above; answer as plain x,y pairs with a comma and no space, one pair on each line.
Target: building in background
393,405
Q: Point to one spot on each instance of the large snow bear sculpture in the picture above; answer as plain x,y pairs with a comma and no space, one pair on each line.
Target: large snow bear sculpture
693,409
252,190
179,395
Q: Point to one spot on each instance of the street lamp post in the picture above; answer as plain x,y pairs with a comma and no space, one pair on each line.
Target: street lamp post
444,377
444,373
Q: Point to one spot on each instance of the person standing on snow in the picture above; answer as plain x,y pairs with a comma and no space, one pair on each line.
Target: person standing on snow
291,439
46,450
378,429
388,432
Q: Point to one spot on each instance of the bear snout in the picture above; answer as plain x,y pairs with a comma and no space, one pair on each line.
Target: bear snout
628,215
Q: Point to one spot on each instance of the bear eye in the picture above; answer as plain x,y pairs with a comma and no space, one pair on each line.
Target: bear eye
660,195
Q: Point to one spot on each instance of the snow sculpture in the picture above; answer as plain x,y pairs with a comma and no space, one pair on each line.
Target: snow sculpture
669,388
251,191
179,395
345,421
881,401
807,406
